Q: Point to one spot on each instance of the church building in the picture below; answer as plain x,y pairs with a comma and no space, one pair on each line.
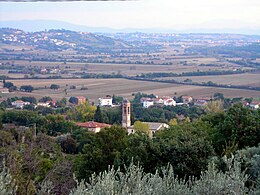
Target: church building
126,120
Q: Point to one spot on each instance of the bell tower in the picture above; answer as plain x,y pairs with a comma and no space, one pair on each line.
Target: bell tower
126,113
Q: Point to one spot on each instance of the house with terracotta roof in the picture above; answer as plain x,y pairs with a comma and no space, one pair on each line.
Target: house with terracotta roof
169,102
158,100
186,99
93,126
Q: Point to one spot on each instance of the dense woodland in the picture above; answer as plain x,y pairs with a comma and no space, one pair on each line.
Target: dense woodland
208,151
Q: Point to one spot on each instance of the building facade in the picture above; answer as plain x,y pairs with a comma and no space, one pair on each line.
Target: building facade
106,101
126,113
93,126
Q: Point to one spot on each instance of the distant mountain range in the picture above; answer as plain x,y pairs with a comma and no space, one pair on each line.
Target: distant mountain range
40,25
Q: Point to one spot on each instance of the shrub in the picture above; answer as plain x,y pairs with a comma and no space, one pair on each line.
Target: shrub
135,181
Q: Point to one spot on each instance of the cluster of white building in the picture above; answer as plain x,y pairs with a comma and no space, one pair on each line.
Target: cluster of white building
166,101
19,104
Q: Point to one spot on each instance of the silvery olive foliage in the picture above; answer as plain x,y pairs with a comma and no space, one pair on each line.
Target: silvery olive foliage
164,182
215,182
133,180
7,184
45,188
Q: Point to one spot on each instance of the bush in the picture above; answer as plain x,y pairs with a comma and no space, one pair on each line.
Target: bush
135,181
27,88
54,86
7,184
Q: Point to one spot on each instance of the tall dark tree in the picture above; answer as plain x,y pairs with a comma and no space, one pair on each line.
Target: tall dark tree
98,115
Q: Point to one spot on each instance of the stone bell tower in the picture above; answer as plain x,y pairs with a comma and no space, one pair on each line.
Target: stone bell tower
126,113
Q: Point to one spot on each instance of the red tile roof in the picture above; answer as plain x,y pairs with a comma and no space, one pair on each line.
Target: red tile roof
92,124
19,101
80,97
186,97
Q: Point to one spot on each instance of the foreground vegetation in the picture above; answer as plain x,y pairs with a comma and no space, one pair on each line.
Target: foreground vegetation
40,153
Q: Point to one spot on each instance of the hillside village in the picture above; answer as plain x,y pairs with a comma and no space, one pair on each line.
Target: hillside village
109,101
57,40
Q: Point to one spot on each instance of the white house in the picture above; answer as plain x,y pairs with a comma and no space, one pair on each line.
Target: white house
44,104
4,90
254,105
54,71
106,101
147,103
169,102
20,104
158,100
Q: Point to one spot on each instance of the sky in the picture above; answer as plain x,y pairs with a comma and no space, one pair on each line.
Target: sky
178,14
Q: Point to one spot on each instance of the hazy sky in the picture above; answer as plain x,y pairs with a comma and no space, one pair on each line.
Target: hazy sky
142,13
